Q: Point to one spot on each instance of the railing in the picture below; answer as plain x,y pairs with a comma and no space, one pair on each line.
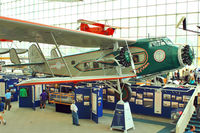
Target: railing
187,113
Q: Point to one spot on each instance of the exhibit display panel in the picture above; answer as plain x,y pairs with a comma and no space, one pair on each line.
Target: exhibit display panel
151,100
9,83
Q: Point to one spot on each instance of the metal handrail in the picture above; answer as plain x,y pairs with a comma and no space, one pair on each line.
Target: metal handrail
187,113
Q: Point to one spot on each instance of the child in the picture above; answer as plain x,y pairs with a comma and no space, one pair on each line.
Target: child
2,112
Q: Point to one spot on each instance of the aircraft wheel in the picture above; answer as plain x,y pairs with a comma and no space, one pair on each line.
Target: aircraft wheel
126,92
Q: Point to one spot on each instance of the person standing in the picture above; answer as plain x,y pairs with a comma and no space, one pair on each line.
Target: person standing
2,112
47,91
7,99
183,76
43,98
198,75
74,110
197,104
187,74
178,75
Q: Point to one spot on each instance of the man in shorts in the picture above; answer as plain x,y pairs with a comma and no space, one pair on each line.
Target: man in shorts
2,112
43,98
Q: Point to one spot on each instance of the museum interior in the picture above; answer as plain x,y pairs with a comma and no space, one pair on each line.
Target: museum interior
103,66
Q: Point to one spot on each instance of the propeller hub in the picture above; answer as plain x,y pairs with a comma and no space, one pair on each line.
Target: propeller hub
186,55
123,57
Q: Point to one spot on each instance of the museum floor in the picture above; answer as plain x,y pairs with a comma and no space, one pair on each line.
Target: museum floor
26,120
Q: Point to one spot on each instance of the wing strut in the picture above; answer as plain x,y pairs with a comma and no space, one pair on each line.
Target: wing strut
66,66
131,59
118,67
45,59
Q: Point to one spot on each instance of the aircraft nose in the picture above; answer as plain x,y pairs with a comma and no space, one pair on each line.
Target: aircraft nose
187,55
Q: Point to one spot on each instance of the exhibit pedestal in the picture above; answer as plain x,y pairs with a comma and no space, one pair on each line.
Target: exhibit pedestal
122,119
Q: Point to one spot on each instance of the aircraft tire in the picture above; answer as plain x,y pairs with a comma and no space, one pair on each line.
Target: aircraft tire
126,92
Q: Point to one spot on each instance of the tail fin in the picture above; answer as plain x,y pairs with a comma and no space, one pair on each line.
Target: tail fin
54,54
35,56
14,58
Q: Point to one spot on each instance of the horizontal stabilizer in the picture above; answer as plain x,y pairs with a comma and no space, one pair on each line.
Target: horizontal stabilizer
7,50
25,64
4,50
21,51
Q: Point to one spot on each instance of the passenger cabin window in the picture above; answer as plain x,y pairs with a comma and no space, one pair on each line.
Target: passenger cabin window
135,58
87,65
95,65
168,41
73,62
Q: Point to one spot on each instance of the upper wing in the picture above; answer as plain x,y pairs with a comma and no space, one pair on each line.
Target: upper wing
14,29
58,80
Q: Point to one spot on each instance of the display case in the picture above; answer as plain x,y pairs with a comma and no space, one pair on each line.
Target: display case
61,98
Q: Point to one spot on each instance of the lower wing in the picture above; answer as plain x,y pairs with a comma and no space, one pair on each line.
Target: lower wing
58,80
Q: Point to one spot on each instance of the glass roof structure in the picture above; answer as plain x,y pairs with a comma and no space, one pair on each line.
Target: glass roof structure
144,18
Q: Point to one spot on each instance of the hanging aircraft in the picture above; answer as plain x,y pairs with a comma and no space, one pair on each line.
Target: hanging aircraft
184,24
98,28
116,59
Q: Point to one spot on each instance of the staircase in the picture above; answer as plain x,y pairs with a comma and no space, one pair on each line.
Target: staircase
194,121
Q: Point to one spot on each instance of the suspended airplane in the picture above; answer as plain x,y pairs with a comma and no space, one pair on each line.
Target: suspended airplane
184,24
116,59
99,28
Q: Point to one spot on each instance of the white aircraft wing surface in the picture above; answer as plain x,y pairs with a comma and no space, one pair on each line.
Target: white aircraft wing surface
7,50
57,80
15,29
4,50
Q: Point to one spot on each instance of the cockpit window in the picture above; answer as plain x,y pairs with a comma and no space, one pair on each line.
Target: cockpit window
162,42
168,41
157,43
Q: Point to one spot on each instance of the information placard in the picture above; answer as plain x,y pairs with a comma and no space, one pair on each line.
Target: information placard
38,91
94,103
2,89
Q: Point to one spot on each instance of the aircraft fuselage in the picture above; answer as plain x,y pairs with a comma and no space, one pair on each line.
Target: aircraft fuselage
150,56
